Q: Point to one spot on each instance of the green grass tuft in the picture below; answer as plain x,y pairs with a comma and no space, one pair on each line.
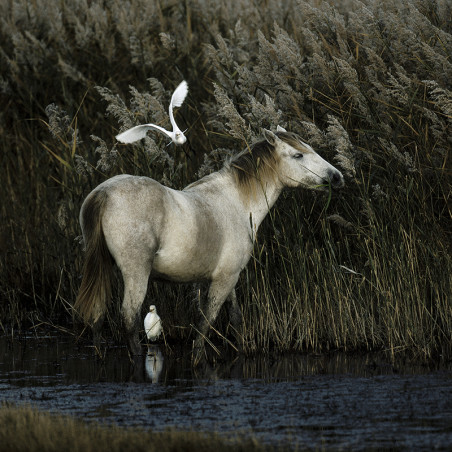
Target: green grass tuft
28,429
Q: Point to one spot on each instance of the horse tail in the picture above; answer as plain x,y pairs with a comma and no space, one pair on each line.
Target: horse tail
95,289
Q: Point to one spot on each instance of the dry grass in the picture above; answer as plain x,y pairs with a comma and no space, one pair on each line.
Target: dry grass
368,85
27,429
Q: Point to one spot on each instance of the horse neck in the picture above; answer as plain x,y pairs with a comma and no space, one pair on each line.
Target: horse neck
256,199
261,200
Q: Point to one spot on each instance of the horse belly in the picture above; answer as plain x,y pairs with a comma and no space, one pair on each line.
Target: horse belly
182,267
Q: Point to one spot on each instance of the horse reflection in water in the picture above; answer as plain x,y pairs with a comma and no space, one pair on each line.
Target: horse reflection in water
202,233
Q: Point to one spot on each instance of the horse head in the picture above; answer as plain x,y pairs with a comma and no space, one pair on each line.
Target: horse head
299,165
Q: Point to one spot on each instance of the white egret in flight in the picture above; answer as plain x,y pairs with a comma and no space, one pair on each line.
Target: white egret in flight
152,324
176,135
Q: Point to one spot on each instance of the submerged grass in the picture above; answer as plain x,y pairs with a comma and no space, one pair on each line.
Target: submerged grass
26,428
368,85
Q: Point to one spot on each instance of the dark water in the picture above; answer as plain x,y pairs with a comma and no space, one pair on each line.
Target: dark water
332,402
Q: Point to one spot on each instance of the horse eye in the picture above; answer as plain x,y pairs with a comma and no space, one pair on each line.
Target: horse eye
298,156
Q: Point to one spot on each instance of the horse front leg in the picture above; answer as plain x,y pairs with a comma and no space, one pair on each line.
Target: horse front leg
218,292
235,319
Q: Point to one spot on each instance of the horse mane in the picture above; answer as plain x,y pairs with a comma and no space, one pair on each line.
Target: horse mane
254,166
258,163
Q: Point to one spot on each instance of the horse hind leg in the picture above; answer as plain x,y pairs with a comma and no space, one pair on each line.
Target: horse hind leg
135,288
97,336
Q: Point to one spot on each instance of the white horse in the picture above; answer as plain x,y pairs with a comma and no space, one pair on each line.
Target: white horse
202,233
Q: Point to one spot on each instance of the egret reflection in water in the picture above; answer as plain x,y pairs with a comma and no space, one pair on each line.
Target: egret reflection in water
154,363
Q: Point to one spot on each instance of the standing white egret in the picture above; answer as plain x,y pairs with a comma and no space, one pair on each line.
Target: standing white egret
152,324
176,135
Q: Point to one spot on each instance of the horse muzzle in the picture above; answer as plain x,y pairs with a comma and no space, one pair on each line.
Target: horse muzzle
335,179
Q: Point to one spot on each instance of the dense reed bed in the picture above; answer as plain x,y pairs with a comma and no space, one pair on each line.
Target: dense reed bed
367,84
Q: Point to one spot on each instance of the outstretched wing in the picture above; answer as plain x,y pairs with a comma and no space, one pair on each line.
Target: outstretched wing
138,132
179,95
177,100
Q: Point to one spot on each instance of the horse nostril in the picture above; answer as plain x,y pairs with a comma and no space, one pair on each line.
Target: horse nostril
336,179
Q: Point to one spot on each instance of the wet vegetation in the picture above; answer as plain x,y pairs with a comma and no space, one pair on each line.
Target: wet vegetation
367,84
49,432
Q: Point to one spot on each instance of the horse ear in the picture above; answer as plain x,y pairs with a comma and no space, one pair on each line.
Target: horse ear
280,129
270,137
